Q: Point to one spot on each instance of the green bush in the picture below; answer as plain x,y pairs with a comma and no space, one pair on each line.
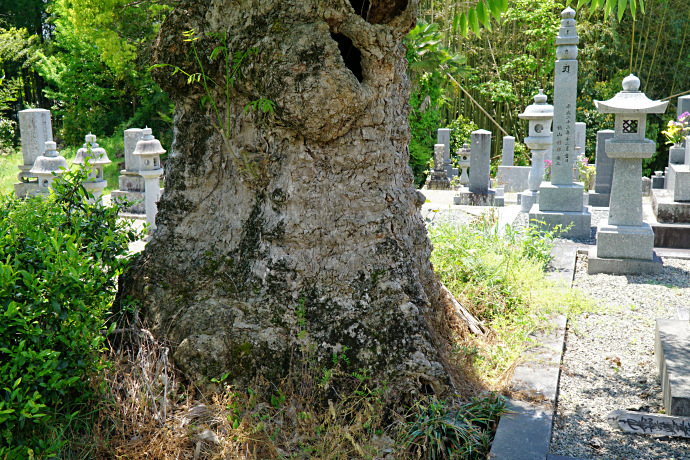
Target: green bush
59,261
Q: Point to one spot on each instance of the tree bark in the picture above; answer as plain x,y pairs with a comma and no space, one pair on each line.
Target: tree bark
307,219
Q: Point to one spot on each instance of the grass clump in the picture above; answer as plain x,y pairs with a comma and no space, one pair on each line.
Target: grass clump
499,276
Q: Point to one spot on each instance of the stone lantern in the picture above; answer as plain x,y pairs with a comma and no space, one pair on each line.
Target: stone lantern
95,158
539,117
47,166
148,151
625,244
464,163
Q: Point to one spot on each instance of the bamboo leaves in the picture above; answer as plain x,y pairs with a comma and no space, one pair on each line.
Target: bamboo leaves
609,5
478,16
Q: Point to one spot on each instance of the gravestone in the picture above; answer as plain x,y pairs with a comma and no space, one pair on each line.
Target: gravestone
508,151
96,158
671,340
47,167
604,167
438,179
35,129
149,151
132,185
478,192
511,178
683,105
561,200
443,137
671,205
625,244
464,155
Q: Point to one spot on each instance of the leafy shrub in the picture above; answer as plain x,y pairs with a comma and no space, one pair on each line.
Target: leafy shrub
7,133
59,259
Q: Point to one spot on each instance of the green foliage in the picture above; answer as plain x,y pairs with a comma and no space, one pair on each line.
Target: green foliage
431,68
460,133
59,261
440,430
498,276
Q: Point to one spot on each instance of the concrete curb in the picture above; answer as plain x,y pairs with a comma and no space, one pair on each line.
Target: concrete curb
525,432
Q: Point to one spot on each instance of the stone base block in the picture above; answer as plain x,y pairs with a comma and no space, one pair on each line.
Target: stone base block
527,199
625,241
513,178
667,210
467,198
673,360
561,198
580,222
24,189
450,171
139,198
600,200
131,182
615,266
667,235
438,185
679,182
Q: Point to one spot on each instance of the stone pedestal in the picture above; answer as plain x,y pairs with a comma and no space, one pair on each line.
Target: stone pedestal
438,179
673,361
36,129
604,167
676,155
131,184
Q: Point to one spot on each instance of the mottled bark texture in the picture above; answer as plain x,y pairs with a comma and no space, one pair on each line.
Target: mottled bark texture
315,201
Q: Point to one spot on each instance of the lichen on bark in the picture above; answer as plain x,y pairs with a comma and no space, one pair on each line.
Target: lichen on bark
333,223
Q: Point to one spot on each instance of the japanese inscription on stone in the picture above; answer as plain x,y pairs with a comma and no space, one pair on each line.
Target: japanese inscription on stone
639,422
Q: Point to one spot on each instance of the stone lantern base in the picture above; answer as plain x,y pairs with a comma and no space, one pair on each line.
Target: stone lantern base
624,249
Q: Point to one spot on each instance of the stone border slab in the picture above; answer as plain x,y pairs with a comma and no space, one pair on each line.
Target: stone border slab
671,351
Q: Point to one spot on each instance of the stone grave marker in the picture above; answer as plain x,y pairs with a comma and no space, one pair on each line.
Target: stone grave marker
132,185
478,192
508,158
443,137
561,200
604,167
438,179
35,129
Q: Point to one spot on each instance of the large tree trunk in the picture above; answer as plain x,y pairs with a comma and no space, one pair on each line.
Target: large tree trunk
311,205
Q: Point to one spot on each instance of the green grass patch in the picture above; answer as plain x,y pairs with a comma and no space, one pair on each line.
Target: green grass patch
499,277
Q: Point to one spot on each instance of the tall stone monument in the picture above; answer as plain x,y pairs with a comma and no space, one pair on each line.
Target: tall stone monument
132,185
508,153
625,244
561,200
35,129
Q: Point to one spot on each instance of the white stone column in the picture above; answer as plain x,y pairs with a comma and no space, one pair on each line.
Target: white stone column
508,151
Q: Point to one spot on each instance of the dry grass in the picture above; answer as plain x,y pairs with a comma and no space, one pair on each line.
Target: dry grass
147,413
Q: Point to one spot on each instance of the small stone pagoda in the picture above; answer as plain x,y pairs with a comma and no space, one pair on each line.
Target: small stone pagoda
539,116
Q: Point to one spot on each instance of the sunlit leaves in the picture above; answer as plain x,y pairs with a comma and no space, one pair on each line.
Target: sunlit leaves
609,6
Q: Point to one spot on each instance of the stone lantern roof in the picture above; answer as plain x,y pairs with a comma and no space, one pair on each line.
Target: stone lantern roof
148,146
97,156
631,100
49,162
539,110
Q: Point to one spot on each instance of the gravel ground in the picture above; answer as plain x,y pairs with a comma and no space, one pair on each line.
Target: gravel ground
609,364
